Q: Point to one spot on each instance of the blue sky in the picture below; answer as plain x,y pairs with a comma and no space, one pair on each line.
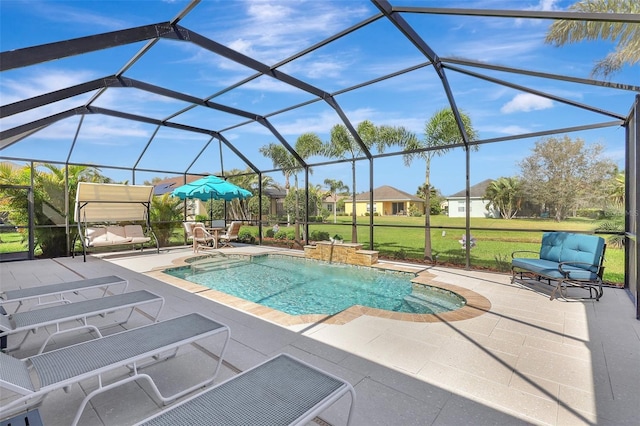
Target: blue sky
271,31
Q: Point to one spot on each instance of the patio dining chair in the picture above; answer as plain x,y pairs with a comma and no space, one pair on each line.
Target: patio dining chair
36,377
188,229
231,234
202,237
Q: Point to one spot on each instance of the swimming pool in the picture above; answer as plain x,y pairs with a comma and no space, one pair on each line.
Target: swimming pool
300,286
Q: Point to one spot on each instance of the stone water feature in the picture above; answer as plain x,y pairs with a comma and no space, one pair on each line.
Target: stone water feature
349,253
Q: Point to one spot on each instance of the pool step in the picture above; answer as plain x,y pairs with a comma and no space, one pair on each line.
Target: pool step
215,264
417,299
209,259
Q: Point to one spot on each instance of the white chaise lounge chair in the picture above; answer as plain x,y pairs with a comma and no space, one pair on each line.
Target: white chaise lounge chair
280,391
79,311
57,291
37,376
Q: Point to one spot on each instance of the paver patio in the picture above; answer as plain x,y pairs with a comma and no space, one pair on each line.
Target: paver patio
527,360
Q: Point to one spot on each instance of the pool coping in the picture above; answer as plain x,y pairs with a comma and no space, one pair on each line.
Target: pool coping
476,304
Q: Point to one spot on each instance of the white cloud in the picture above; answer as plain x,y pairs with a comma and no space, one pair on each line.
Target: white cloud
513,130
505,130
265,34
43,81
57,12
545,5
497,48
36,83
526,102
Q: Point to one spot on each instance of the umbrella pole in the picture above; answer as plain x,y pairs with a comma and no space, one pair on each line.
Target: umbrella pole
211,211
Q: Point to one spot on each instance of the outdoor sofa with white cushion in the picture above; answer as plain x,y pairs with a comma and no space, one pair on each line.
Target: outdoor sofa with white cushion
281,391
30,321
101,207
37,376
100,236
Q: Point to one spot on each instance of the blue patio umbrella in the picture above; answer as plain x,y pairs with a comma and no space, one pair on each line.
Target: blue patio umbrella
211,188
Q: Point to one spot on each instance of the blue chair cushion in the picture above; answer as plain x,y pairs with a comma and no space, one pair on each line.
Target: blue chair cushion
552,245
586,249
547,268
579,274
550,269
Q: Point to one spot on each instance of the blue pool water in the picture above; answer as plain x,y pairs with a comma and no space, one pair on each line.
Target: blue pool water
299,286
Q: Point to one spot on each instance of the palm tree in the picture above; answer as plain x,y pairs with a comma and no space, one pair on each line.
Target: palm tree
48,190
343,145
254,187
247,180
307,145
615,222
617,191
164,213
626,36
441,130
335,186
505,193
435,198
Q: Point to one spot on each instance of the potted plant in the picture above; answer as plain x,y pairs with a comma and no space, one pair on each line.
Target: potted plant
336,239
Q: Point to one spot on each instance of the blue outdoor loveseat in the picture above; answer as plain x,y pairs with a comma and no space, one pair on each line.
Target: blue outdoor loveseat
566,258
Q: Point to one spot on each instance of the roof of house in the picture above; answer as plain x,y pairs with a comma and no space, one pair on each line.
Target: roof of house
169,184
476,191
273,192
330,198
388,193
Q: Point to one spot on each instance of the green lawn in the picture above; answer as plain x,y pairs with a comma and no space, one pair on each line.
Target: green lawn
12,242
394,238
496,239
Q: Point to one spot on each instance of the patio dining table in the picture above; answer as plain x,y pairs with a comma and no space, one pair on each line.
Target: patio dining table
215,232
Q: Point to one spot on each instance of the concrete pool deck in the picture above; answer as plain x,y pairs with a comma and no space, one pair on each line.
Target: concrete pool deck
527,360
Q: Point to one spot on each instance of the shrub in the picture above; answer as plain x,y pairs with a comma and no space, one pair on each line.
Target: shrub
316,235
282,235
503,262
400,254
415,211
246,237
616,227
591,213
269,233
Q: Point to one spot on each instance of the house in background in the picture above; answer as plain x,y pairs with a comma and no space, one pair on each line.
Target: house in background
387,201
327,203
477,203
276,200
194,206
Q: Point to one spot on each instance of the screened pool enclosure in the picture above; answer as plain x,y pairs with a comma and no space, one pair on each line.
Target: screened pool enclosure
199,88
